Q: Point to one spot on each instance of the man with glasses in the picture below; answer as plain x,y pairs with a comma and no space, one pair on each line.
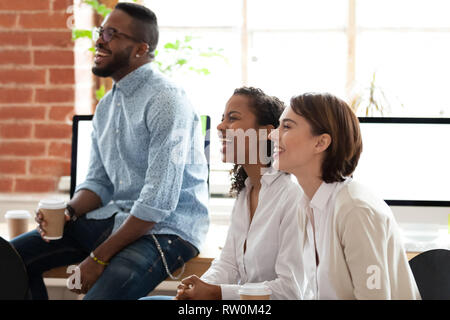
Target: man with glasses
142,211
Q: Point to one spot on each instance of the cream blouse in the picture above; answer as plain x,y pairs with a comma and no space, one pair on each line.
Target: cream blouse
358,245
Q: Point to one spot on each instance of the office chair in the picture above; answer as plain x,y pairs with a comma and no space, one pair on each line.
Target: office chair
13,275
431,269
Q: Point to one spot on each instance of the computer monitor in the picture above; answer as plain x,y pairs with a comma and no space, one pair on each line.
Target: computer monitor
81,150
81,147
406,161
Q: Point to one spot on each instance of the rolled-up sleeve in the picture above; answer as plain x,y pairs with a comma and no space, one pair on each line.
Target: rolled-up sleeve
171,126
97,180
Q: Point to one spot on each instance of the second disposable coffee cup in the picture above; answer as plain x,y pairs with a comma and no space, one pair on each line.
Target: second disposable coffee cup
255,291
17,222
53,214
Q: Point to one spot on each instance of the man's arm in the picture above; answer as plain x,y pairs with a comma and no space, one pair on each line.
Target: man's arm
171,131
82,202
171,134
90,270
85,201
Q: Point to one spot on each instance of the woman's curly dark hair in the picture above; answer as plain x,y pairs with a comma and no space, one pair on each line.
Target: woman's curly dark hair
267,110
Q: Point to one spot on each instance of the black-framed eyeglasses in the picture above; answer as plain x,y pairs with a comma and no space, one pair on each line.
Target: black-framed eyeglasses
107,34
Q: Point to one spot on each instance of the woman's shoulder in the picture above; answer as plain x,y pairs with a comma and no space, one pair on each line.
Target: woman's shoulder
355,198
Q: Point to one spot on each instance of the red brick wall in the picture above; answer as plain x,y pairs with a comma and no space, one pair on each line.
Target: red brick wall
36,94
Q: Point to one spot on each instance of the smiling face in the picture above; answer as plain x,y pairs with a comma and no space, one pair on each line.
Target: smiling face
237,119
115,58
297,149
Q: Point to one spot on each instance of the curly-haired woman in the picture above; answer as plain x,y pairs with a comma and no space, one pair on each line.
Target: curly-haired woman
262,244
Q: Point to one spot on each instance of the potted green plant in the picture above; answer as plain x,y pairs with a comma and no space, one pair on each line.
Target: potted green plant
372,101
176,56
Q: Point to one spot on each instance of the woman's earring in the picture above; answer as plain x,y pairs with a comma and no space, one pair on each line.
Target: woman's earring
138,56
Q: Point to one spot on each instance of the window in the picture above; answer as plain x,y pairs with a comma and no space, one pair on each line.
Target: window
407,44
297,46
288,47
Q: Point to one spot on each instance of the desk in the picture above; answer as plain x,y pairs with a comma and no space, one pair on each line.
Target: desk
411,254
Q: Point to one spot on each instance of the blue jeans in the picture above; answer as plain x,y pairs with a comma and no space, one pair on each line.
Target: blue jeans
153,298
132,273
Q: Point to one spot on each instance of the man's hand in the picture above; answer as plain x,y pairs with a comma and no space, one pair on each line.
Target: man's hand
193,288
90,271
39,218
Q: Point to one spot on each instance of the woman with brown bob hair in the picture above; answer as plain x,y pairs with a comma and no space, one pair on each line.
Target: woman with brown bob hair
351,246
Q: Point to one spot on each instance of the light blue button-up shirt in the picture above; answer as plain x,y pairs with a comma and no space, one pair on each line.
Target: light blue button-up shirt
147,157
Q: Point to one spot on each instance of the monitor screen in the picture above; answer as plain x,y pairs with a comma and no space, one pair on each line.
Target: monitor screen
81,147
406,161
81,150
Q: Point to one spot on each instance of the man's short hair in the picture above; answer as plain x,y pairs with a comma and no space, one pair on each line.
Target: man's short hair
145,26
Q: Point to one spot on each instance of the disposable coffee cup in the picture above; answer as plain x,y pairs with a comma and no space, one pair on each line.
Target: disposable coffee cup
17,222
255,291
53,214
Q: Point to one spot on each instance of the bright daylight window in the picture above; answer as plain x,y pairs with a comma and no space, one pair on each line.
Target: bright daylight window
399,48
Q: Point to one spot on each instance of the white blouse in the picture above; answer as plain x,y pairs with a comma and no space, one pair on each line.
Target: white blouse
272,253
358,244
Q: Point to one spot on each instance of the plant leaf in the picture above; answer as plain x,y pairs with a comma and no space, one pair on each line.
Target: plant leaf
101,9
100,92
170,45
203,71
81,33
181,62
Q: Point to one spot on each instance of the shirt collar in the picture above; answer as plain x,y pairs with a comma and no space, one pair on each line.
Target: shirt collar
134,79
269,176
321,197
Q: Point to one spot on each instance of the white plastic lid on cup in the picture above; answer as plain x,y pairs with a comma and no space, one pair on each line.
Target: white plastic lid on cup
255,289
52,204
17,214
